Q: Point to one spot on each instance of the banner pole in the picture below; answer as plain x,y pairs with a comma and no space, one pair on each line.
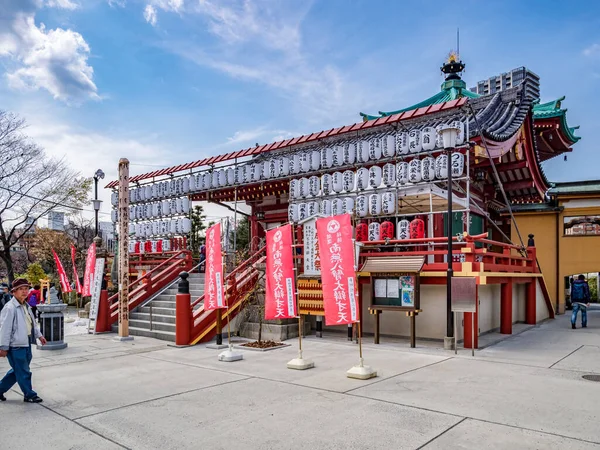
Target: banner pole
298,363
228,355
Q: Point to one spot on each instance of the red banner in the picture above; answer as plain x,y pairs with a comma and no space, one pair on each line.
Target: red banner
77,283
338,276
64,281
214,295
280,287
90,267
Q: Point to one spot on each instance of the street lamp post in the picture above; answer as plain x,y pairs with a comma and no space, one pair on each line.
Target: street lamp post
449,135
99,175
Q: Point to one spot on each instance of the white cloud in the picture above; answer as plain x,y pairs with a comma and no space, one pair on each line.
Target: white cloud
55,60
150,15
250,137
592,50
65,4
113,3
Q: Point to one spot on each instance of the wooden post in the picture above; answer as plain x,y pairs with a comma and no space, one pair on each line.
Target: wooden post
376,337
506,304
123,248
413,329
219,327
530,303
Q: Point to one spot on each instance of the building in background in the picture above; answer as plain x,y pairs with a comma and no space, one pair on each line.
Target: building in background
106,230
504,81
56,220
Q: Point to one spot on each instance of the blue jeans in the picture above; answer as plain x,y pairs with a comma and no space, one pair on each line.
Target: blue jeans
576,308
19,359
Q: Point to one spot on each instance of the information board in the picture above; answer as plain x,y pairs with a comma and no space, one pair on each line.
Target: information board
400,291
96,288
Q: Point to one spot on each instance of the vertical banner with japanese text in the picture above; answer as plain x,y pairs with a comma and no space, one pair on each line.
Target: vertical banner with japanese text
337,270
78,288
88,278
64,281
214,295
280,301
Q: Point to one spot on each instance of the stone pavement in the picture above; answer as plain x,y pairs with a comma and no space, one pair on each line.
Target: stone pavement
525,392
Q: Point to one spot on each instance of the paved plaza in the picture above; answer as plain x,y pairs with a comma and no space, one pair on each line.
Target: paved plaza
525,392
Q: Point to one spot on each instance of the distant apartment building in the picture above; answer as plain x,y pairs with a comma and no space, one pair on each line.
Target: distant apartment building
56,221
515,77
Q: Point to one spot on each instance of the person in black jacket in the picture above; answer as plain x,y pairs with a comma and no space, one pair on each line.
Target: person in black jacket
580,298
4,295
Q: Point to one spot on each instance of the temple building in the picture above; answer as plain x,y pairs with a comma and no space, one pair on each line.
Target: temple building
395,174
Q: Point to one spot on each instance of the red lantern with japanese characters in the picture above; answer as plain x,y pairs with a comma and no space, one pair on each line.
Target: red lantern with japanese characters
417,229
362,232
387,230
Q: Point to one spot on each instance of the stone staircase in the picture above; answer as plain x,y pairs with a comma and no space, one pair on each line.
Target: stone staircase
156,318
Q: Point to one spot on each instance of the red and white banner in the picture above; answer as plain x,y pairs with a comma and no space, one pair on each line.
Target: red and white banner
64,281
280,298
338,276
214,295
90,267
77,283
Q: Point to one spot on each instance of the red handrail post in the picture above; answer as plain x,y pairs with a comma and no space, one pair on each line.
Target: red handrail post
183,312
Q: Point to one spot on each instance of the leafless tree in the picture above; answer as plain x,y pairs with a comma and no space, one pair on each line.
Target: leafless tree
31,185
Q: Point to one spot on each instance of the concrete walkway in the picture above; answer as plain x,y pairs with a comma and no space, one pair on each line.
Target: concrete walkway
525,392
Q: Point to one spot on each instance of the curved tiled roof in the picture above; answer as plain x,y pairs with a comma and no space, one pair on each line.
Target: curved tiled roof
554,109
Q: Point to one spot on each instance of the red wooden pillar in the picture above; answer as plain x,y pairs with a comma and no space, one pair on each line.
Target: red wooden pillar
253,233
183,312
472,323
103,318
506,303
530,303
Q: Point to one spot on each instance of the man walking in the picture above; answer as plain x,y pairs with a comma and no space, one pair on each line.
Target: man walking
18,330
580,298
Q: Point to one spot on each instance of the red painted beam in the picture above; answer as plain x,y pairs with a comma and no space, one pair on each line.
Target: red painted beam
518,185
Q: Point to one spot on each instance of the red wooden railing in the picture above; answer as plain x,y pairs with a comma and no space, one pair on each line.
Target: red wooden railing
165,272
238,284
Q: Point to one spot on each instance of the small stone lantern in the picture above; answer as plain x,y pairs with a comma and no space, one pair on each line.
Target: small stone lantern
52,322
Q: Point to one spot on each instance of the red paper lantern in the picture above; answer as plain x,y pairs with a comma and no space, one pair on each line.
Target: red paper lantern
137,247
159,246
362,232
417,229
387,230
147,247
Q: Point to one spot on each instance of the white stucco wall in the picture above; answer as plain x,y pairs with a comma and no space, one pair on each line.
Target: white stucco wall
541,310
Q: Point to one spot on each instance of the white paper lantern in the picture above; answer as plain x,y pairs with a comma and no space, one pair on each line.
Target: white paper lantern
414,171
458,164
185,205
274,168
173,226
247,173
362,178
184,181
338,155
414,141
375,204
173,187
293,212
302,211
348,181
230,176
173,206
166,207
314,186
206,182
294,189
389,174
375,176
214,180
362,206
402,173
114,198
326,184
348,205
327,158
113,215
304,162
461,131
326,207
295,164
338,183
155,228
256,170
315,160
403,230
284,166
428,169
337,206
402,143
349,153
375,148
303,187
362,151
238,175
266,170
312,208
388,149
388,203
187,225
131,246
374,231
439,141
148,192
428,138
132,228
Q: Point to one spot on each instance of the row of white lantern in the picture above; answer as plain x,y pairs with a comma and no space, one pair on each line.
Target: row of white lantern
364,205
183,225
348,153
154,246
427,169
156,210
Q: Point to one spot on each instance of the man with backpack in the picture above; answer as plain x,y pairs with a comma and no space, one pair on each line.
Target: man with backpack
580,298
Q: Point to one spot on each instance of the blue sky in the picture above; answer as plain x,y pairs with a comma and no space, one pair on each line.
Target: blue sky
169,81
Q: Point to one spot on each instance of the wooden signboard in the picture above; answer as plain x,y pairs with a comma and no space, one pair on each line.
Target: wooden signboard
398,291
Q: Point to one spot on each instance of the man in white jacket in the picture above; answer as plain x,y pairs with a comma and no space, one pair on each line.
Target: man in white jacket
18,330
